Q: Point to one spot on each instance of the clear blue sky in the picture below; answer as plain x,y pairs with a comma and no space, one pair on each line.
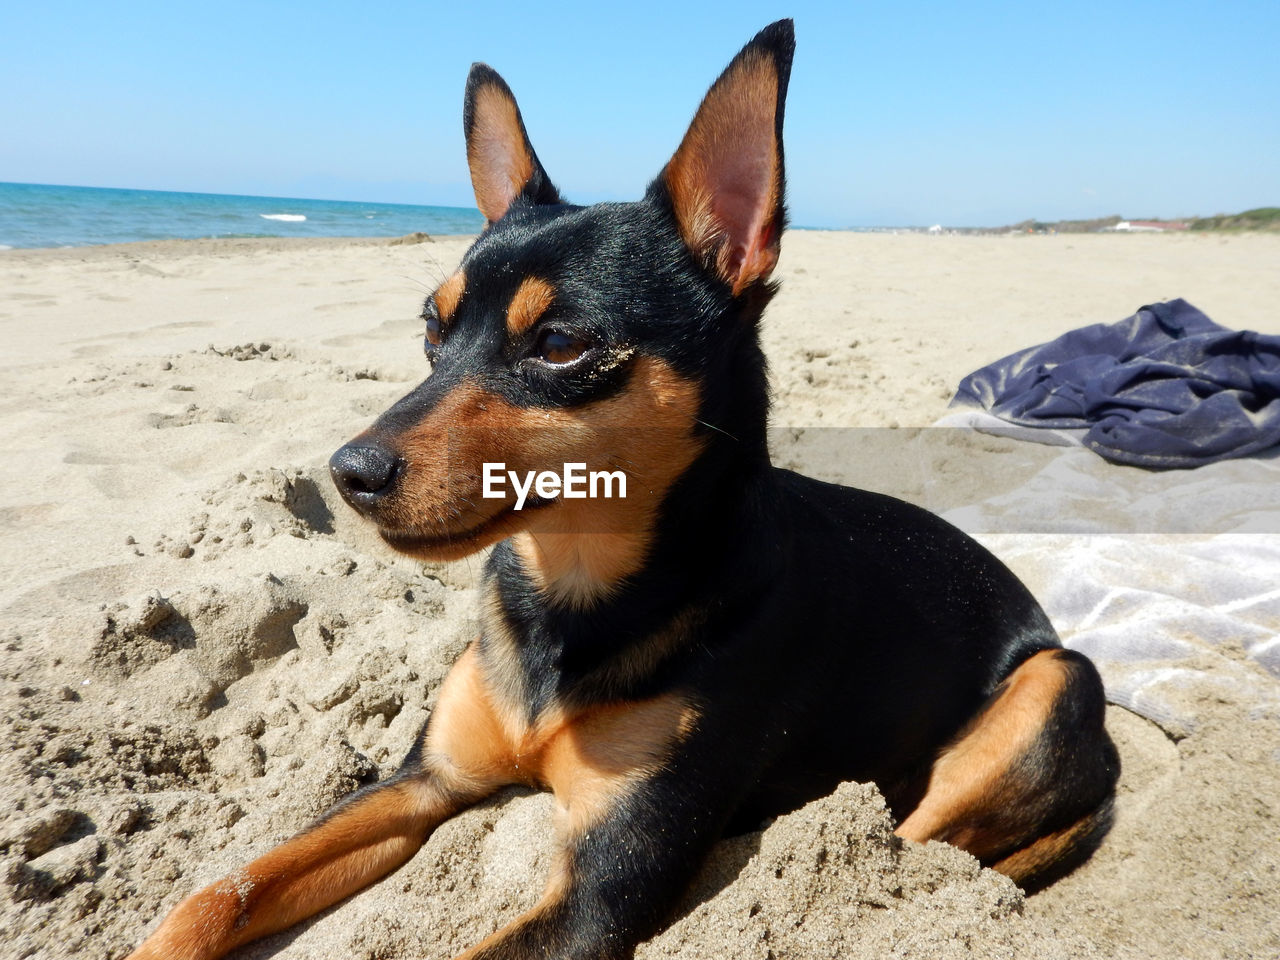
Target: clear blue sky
899,113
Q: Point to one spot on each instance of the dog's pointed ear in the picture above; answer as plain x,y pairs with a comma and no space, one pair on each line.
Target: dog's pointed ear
503,164
726,180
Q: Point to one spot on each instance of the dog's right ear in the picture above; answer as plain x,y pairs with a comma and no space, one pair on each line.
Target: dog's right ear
503,164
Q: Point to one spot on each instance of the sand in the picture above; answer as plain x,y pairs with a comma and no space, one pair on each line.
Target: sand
201,648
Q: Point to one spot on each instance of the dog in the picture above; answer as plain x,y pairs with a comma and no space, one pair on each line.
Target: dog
721,645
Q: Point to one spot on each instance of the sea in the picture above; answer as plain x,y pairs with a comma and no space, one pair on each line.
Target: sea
40,215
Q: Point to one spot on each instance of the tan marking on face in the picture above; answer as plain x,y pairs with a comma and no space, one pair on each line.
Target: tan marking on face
583,549
973,775
500,164
439,511
732,141
533,298
448,295
575,549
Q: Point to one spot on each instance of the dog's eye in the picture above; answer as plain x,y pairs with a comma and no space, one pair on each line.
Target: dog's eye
556,346
433,331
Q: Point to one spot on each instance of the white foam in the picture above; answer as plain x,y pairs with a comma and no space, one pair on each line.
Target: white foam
5,246
288,217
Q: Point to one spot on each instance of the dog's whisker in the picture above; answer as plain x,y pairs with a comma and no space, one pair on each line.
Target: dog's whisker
712,426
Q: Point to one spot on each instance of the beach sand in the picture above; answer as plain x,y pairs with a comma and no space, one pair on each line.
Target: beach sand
201,648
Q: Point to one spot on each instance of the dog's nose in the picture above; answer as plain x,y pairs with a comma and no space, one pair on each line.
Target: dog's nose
363,474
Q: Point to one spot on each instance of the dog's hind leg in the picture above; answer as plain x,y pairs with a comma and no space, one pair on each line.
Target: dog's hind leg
1027,785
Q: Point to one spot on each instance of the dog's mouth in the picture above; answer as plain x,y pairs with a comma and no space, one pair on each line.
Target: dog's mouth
449,543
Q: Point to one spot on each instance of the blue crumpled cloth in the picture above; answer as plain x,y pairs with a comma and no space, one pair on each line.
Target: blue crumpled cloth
1165,388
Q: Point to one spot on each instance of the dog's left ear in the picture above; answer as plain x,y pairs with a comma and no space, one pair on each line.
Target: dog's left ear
726,180
503,164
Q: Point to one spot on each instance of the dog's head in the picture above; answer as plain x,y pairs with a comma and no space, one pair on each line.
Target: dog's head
619,336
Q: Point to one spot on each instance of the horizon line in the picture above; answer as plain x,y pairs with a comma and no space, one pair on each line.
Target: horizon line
472,209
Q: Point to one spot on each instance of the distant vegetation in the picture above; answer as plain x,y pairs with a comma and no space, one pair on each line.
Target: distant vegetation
1065,226
1045,226
1263,218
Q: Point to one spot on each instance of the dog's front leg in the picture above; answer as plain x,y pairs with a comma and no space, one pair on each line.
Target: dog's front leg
460,759
364,837
631,841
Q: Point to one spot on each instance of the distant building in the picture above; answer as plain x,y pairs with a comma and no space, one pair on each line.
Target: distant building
1149,226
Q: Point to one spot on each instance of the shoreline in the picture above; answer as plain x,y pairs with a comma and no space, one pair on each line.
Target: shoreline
174,246
262,243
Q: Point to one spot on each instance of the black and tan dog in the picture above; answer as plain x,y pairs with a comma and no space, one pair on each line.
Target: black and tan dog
725,643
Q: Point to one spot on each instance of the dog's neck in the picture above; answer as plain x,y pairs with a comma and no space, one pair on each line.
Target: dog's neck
578,567
577,570
575,606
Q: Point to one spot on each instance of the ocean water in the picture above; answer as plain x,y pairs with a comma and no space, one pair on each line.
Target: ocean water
38,215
